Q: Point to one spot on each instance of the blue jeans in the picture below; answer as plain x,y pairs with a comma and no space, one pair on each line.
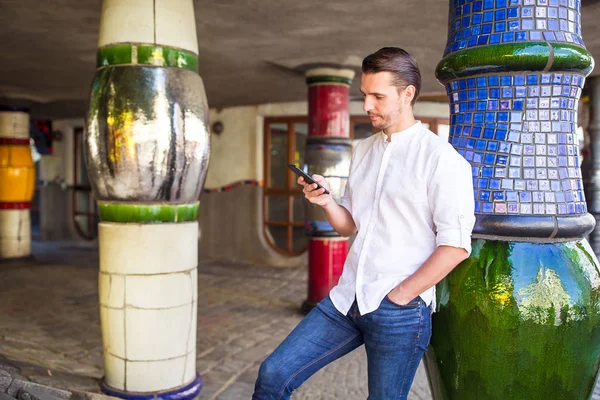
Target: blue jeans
395,338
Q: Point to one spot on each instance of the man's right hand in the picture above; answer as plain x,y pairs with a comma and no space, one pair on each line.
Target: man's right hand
339,218
314,195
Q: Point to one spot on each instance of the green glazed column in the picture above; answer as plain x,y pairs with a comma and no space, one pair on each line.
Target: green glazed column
520,318
147,151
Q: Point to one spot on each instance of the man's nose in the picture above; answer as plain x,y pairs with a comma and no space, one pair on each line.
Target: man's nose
367,105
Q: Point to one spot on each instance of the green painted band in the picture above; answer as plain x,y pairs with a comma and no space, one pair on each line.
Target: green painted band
328,79
514,57
148,213
138,54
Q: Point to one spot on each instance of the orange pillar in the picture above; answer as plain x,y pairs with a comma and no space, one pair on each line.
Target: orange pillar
17,183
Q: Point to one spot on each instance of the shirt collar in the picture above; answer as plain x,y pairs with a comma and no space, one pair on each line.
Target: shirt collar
396,136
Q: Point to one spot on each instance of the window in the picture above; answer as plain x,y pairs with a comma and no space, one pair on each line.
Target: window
285,142
360,128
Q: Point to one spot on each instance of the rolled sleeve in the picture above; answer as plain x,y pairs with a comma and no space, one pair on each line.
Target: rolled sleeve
451,200
346,199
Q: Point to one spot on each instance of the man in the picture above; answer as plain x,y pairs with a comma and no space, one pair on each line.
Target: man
410,198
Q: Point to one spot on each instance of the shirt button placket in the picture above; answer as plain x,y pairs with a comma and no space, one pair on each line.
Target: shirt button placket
360,295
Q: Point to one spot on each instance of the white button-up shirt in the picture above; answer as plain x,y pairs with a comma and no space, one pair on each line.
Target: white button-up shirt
407,196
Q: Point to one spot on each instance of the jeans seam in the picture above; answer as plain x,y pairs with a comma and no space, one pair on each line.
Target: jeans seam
314,361
420,324
415,345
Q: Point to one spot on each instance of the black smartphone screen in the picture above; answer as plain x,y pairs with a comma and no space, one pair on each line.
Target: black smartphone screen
306,177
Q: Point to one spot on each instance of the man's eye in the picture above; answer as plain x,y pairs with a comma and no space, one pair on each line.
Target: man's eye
379,97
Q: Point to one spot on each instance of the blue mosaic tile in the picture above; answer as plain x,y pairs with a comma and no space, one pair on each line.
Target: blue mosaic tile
477,23
520,140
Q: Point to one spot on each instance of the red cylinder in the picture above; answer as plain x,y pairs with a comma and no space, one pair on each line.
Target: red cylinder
328,124
326,257
328,110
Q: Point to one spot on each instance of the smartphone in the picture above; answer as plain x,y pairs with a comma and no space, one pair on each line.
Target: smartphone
307,178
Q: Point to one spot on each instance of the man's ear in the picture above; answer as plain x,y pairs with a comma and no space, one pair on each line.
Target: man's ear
409,94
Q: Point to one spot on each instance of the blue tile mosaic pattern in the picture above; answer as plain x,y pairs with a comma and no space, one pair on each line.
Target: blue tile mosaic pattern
476,23
519,134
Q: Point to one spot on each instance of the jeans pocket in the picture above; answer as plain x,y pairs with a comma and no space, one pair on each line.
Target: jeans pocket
414,303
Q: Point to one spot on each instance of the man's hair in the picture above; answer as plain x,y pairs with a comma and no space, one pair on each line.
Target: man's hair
400,63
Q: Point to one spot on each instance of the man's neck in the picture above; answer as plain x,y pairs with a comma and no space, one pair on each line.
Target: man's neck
403,124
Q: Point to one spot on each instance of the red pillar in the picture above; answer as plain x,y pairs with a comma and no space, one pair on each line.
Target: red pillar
328,152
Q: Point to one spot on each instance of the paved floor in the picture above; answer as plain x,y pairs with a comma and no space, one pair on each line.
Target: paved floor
49,324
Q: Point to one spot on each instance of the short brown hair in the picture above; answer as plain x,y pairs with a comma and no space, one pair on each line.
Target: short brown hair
400,63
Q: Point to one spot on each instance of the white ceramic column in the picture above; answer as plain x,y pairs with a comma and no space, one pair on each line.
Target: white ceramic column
148,302
147,147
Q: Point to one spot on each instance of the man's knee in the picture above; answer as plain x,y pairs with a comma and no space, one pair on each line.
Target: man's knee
270,371
272,379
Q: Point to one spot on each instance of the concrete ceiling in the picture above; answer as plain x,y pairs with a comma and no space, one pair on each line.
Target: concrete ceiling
48,48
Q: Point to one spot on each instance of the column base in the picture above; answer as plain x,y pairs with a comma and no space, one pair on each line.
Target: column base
187,392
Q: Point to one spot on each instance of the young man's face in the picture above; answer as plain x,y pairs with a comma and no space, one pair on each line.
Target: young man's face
384,102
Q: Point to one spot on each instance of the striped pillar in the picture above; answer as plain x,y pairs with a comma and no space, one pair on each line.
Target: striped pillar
328,152
519,318
147,150
17,184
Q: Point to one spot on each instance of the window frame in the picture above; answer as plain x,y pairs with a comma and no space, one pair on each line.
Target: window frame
291,189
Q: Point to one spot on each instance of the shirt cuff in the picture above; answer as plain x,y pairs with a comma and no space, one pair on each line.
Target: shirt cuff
454,237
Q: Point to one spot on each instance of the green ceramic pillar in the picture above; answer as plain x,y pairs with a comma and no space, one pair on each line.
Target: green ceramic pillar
519,319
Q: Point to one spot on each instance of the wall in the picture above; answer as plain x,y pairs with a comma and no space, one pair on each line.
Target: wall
237,153
231,222
56,175
231,229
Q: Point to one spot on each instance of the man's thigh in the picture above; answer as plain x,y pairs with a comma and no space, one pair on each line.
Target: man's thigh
396,337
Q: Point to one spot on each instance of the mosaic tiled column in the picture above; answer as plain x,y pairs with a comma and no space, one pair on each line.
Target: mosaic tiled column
147,148
17,184
328,152
520,318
